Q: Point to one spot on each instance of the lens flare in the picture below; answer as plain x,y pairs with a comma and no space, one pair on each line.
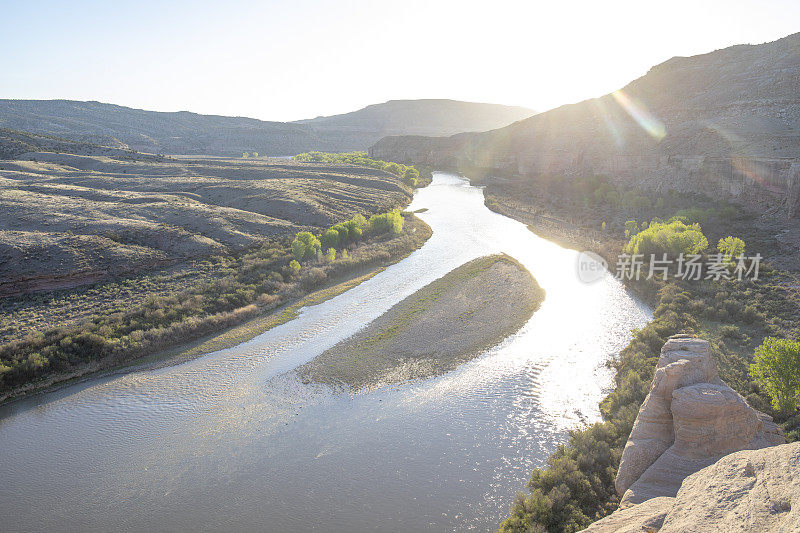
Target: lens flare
608,120
654,127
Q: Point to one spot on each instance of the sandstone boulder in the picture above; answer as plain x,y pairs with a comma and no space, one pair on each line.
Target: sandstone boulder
646,517
750,490
688,421
684,360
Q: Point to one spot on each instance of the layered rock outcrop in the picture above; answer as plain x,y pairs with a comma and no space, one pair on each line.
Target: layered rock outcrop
683,468
689,420
750,490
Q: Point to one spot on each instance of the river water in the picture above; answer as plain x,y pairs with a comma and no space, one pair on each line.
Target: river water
234,441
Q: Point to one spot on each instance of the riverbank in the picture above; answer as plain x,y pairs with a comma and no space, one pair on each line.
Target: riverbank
258,291
240,419
439,327
734,315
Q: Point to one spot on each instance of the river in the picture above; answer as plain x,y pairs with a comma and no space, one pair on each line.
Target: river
234,441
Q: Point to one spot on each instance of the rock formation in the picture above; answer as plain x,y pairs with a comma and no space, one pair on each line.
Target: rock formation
688,421
671,472
750,490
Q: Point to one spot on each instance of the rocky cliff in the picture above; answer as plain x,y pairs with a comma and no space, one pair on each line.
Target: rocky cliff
725,124
683,468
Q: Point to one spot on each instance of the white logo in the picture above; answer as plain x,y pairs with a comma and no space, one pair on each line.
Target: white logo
591,267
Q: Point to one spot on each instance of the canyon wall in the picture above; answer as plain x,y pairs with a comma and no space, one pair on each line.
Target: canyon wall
724,124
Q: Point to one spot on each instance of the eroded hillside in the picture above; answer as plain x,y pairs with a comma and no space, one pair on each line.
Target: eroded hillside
68,219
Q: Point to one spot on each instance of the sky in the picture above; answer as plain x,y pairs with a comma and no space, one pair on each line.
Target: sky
293,59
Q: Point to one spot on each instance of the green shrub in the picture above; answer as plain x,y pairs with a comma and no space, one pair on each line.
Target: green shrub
576,487
408,174
631,228
411,176
731,248
294,267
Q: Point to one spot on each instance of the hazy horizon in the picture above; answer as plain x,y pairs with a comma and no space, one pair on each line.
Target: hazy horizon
317,58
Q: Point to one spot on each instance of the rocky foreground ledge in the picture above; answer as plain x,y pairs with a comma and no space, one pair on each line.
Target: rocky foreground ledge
700,458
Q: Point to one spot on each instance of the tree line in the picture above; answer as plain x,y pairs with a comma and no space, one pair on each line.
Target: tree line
307,245
407,173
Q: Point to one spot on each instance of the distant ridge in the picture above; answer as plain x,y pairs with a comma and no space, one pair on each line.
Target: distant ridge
185,132
432,117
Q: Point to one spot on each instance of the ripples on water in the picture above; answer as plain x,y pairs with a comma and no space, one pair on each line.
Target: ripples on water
234,441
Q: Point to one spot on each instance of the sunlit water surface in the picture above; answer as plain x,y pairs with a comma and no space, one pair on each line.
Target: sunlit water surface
233,441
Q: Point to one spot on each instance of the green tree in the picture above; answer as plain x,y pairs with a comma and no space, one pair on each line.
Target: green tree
305,246
255,154
776,369
330,239
245,155
731,247
387,222
330,255
612,198
411,176
692,215
675,237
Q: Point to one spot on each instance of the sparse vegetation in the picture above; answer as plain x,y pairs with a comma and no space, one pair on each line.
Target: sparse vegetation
468,310
242,287
109,217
